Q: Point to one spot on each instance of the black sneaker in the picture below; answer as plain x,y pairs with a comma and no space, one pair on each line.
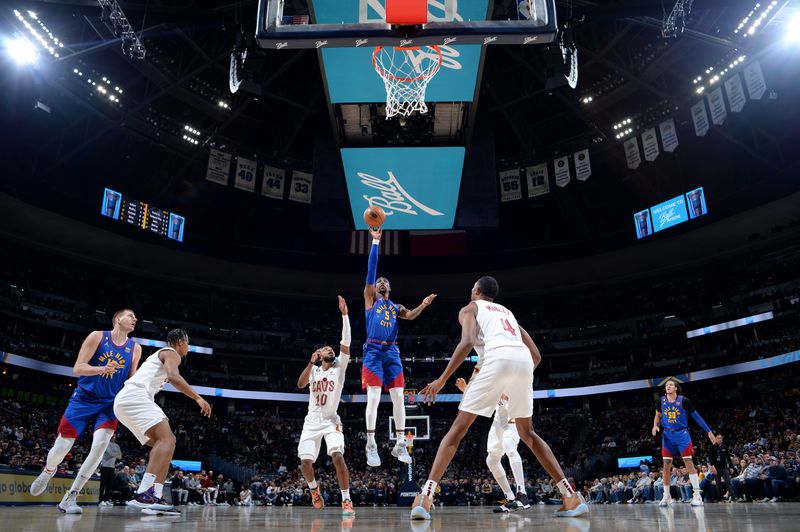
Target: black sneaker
507,506
522,499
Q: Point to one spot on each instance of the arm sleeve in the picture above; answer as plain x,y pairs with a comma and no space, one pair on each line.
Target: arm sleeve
700,421
372,264
346,337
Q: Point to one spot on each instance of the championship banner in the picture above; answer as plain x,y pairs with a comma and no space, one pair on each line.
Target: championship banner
272,183
562,171
650,144
583,166
717,105
632,153
301,187
700,118
15,487
219,165
754,79
510,187
735,91
538,180
245,174
669,136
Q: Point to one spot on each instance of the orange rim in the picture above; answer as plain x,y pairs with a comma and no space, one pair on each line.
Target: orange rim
384,74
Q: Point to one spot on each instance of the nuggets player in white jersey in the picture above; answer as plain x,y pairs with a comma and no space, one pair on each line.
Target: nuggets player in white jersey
135,406
503,440
322,422
507,357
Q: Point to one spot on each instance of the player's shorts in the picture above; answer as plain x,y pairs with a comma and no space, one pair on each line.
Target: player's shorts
314,431
382,367
138,411
676,443
84,406
509,373
502,440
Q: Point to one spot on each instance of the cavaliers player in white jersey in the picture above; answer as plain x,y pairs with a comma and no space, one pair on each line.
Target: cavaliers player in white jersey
135,406
503,439
322,422
507,357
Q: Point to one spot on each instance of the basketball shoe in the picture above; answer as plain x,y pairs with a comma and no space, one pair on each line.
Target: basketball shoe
697,499
148,500
40,484
666,500
316,499
400,451
507,506
347,508
168,512
421,509
373,459
581,509
69,504
522,498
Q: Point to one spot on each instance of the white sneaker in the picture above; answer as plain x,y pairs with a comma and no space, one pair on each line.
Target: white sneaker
666,500
697,499
40,484
373,459
774,499
400,451
69,504
765,499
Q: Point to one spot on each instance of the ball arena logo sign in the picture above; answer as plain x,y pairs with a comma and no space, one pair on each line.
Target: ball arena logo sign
393,197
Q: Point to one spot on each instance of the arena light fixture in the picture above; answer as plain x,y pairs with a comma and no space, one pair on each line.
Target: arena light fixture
792,35
22,51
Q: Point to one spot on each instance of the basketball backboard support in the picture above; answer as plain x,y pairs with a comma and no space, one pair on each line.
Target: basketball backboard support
279,30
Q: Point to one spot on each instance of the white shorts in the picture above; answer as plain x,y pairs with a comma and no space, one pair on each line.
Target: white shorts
502,441
511,375
314,430
137,411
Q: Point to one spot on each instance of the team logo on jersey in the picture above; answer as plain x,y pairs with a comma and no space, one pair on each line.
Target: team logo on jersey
671,413
387,313
111,356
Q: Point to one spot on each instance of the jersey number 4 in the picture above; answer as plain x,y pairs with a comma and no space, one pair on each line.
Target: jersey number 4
507,327
322,399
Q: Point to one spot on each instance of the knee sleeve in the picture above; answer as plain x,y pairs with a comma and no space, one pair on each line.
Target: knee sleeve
373,400
492,460
59,450
398,408
513,456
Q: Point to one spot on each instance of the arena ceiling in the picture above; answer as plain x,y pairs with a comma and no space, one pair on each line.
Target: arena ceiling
62,140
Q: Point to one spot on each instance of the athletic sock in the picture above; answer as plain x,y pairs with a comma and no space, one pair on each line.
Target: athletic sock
565,488
345,494
147,481
401,437
159,489
695,479
429,489
312,485
371,438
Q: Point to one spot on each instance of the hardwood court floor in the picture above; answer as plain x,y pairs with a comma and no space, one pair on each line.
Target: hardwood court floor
681,517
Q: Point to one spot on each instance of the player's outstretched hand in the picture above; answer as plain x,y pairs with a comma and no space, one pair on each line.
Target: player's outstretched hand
428,300
315,356
376,232
431,390
655,429
205,408
342,306
461,384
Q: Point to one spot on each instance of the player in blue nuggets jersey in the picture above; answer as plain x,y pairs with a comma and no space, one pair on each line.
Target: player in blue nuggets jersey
382,366
673,411
105,361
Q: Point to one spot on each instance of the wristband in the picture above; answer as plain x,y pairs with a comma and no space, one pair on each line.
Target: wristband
376,242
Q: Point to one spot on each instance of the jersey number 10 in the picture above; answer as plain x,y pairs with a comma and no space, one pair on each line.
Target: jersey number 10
322,399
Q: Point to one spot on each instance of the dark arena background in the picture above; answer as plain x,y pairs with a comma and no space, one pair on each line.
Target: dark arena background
628,171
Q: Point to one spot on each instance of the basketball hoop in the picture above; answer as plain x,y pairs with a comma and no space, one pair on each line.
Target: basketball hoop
406,72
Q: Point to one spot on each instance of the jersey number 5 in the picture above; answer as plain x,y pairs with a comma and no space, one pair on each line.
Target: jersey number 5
507,327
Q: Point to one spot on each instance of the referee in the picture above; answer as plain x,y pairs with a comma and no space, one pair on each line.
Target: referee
721,463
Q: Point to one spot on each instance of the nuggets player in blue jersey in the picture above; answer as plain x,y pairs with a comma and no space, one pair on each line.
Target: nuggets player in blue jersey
382,366
672,412
106,360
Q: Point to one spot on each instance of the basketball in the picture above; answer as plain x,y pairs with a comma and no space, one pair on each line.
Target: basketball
374,216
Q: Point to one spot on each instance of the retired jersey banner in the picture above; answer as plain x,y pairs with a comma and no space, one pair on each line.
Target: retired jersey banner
754,79
562,171
219,166
245,174
716,103
272,183
301,187
632,153
538,180
735,90
583,166
510,185
700,118
669,136
650,144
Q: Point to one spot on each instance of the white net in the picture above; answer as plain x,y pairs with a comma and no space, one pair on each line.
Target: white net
406,73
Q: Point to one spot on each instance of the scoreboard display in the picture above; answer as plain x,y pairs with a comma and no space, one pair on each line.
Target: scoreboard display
143,215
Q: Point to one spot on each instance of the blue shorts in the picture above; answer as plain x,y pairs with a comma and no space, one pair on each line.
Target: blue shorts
83,406
676,443
382,367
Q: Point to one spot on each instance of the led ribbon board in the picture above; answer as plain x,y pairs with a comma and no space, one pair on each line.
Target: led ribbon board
416,187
